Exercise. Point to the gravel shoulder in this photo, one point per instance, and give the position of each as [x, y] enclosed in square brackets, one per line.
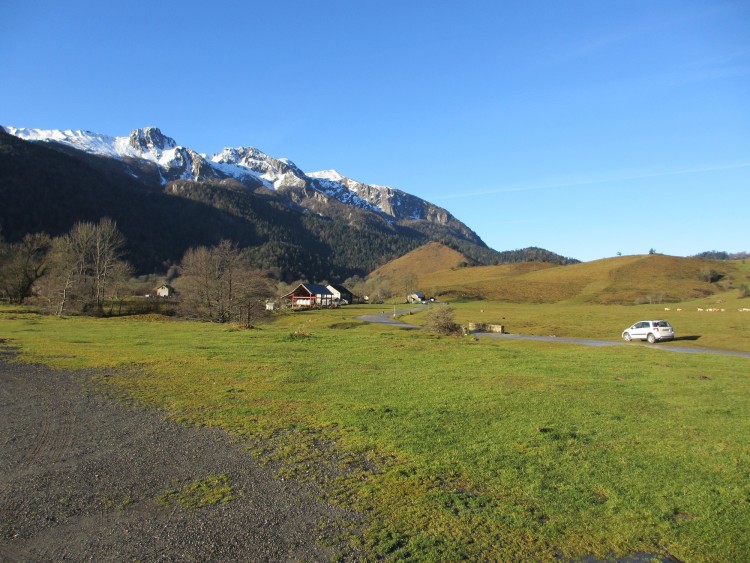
[82, 476]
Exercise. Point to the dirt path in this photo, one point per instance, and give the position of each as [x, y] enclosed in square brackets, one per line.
[81, 476]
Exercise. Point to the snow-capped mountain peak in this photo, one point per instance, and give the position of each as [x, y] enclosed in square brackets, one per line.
[275, 173]
[247, 165]
[332, 175]
[150, 139]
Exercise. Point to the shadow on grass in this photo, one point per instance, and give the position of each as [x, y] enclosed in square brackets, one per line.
[690, 337]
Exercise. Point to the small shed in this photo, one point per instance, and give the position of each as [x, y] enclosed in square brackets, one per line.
[341, 295]
[309, 296]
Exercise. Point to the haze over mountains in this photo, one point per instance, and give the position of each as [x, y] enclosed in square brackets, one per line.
[167, 198]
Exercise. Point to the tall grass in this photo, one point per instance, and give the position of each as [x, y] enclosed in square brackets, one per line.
[454, 448]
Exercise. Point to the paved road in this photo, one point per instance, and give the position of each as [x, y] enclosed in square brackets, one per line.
[387, 319]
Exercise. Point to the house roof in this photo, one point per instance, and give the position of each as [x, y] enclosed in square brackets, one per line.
[311, 289]
[339, 288]
[316, 289]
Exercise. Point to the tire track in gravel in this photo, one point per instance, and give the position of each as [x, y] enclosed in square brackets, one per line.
[50, 445]
[54, 433]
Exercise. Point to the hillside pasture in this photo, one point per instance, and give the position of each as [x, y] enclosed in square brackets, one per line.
[431, 257]
[451, 448]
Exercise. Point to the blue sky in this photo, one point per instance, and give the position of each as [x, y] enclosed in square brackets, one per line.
[587, 128]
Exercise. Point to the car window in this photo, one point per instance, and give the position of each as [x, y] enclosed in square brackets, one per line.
[663, 324]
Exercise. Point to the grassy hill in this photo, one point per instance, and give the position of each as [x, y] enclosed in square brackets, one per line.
[427, 259]
[622, 280]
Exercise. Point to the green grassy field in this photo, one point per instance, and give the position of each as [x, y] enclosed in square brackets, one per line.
[452, 448]
[728, 329]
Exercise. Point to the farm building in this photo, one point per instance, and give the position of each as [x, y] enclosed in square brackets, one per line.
[164, 290]
[341, 295]
[416, 297]
[309, 296]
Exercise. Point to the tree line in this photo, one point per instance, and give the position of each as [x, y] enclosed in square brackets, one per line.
[84, 272]
[78, 271]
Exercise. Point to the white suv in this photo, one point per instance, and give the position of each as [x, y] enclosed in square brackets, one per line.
[652, 331]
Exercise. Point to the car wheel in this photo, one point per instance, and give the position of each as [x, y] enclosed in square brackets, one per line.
[651, 338]
[626, 336]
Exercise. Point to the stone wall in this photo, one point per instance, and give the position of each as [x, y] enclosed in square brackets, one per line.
[486, 327]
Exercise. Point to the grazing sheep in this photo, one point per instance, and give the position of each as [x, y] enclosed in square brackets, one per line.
[700, 310]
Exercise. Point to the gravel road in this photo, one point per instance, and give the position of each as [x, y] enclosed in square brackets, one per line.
[81, 476]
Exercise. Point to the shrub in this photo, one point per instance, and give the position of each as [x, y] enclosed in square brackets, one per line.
[300, 332]
[443, 320]
[710, 275]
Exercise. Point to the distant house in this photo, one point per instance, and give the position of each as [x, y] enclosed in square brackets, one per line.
[309, 296]
[341, 295]
[164, 290]
[416, 297]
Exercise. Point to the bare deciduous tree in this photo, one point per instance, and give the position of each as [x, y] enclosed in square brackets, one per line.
[218, 284]
[108, 243]
[84, 263]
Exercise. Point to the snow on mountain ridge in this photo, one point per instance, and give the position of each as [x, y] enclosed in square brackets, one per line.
[332, 175]
[175, 162]
[83, 140]
[148, 143]
[351, 191]
[387, 200]
[244, 161]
